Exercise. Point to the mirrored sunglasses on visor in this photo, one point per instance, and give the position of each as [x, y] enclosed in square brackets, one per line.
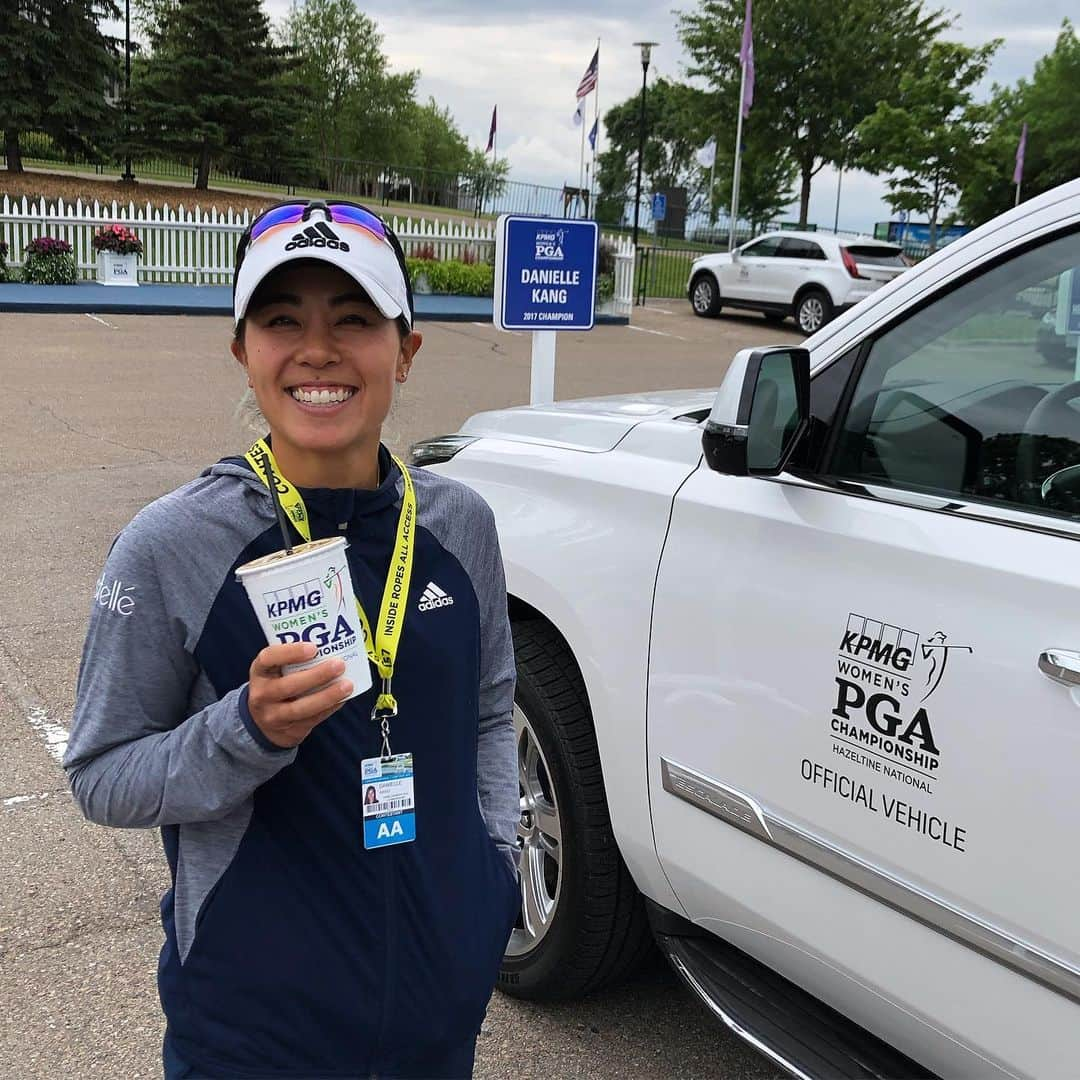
[345, 213]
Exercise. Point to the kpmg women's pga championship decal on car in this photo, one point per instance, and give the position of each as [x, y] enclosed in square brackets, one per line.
[885, 677]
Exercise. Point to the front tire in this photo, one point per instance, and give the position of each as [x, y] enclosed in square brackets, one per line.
[582, 923]
[705, 296]
[813, 310]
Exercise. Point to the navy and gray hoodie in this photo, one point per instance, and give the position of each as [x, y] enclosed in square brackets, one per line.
[290, 951]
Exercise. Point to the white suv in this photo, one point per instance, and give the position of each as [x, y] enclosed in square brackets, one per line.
[808, 275]
[799, 660]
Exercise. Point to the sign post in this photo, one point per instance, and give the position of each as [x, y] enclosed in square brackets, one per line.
[545, 281]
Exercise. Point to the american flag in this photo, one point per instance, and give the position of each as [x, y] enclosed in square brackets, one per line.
[592, 73]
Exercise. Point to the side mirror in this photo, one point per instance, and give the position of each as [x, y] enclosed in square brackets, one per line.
[735, 256]
[761, 412]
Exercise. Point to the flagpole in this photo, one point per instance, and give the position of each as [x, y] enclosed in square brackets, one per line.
[738, 163]
[596, 126]
[1017, 203]
[581, 163]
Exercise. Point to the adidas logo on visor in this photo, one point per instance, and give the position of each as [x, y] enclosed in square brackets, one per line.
[433, 598]
[319, 235]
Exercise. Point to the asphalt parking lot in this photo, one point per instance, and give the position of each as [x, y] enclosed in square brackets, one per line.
[100, 416]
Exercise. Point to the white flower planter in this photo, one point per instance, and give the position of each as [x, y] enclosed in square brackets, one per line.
[113, 269]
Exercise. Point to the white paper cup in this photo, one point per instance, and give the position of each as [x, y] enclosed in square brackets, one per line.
[308, 596]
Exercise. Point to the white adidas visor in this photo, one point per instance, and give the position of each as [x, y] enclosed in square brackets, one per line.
[368, 259]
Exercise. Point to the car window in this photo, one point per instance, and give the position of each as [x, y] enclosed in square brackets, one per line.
[765, 248]
[978, 393]
[877, 255]
[800, 249]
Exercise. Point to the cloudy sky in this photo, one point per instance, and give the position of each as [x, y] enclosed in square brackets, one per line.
[528, 58]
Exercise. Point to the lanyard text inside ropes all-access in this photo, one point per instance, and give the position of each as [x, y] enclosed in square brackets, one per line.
[382, 651]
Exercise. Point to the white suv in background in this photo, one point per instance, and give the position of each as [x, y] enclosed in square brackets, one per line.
[808, 275]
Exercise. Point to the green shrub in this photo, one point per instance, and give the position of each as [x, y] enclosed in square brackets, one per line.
[3, 262]
[454, 278]
[49, 261]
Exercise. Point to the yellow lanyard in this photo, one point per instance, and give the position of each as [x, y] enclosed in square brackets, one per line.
[382, 650]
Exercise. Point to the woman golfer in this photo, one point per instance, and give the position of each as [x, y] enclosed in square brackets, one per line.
[300, 940]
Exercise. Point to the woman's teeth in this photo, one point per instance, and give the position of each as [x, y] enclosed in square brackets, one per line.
[322, 397]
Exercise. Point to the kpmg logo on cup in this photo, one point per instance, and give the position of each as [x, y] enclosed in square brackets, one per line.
[549, 245]
[300, 599]
[303, 613]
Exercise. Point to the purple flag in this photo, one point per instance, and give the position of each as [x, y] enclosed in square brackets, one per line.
[746, 58]
[491, 131]
[1018, 172]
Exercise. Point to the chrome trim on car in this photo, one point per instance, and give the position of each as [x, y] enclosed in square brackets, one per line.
[736, 1028]
[740, 810]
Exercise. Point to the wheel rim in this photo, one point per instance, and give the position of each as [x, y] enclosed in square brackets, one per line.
[702, 296]
[811, 314]
[540, 840]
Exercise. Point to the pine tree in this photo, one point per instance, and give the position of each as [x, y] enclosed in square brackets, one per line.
[55, 66]
[213, 86]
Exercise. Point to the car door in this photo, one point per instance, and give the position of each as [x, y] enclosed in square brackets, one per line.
[863, 718]
[800, 261]
[750, 276]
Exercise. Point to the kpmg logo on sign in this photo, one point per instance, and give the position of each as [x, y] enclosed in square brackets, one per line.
[549, 245]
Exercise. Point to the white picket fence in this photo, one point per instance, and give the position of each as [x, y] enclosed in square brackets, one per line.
[197, 247]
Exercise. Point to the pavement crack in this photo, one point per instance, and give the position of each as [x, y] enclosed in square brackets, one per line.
[50, 411]
[494, 346]
[80, 935]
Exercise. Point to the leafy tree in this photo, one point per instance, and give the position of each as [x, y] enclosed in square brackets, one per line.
[354, 105]
[433, 152]
[932, 133]
[820, 68]
[486, 177]
[55, 64]
[672, 139]
[1047, 104]
[766, 185]
[213, 84]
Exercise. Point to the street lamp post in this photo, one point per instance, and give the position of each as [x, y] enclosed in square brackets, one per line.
[128, 175]
[646, 53]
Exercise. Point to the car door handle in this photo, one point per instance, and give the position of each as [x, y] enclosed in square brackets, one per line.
[1061, 665]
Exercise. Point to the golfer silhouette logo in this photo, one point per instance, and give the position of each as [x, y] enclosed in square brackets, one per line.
[937, 652]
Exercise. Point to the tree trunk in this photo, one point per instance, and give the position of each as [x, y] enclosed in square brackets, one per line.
[804, 197]
[202, 178]
[11, 151]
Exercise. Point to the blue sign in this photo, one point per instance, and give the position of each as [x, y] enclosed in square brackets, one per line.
[659, 207]
[545, 273]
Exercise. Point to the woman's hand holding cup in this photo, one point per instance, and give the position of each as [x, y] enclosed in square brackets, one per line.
[287, 707]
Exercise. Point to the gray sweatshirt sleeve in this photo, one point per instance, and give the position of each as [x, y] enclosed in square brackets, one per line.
[496, 756]
[150, 745]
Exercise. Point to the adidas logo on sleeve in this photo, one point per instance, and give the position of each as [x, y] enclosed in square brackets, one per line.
[433, 598]
[319, 235]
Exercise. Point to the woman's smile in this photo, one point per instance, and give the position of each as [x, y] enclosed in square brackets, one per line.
[321, 397]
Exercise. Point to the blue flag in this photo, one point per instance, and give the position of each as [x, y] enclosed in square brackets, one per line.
[592, 134]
